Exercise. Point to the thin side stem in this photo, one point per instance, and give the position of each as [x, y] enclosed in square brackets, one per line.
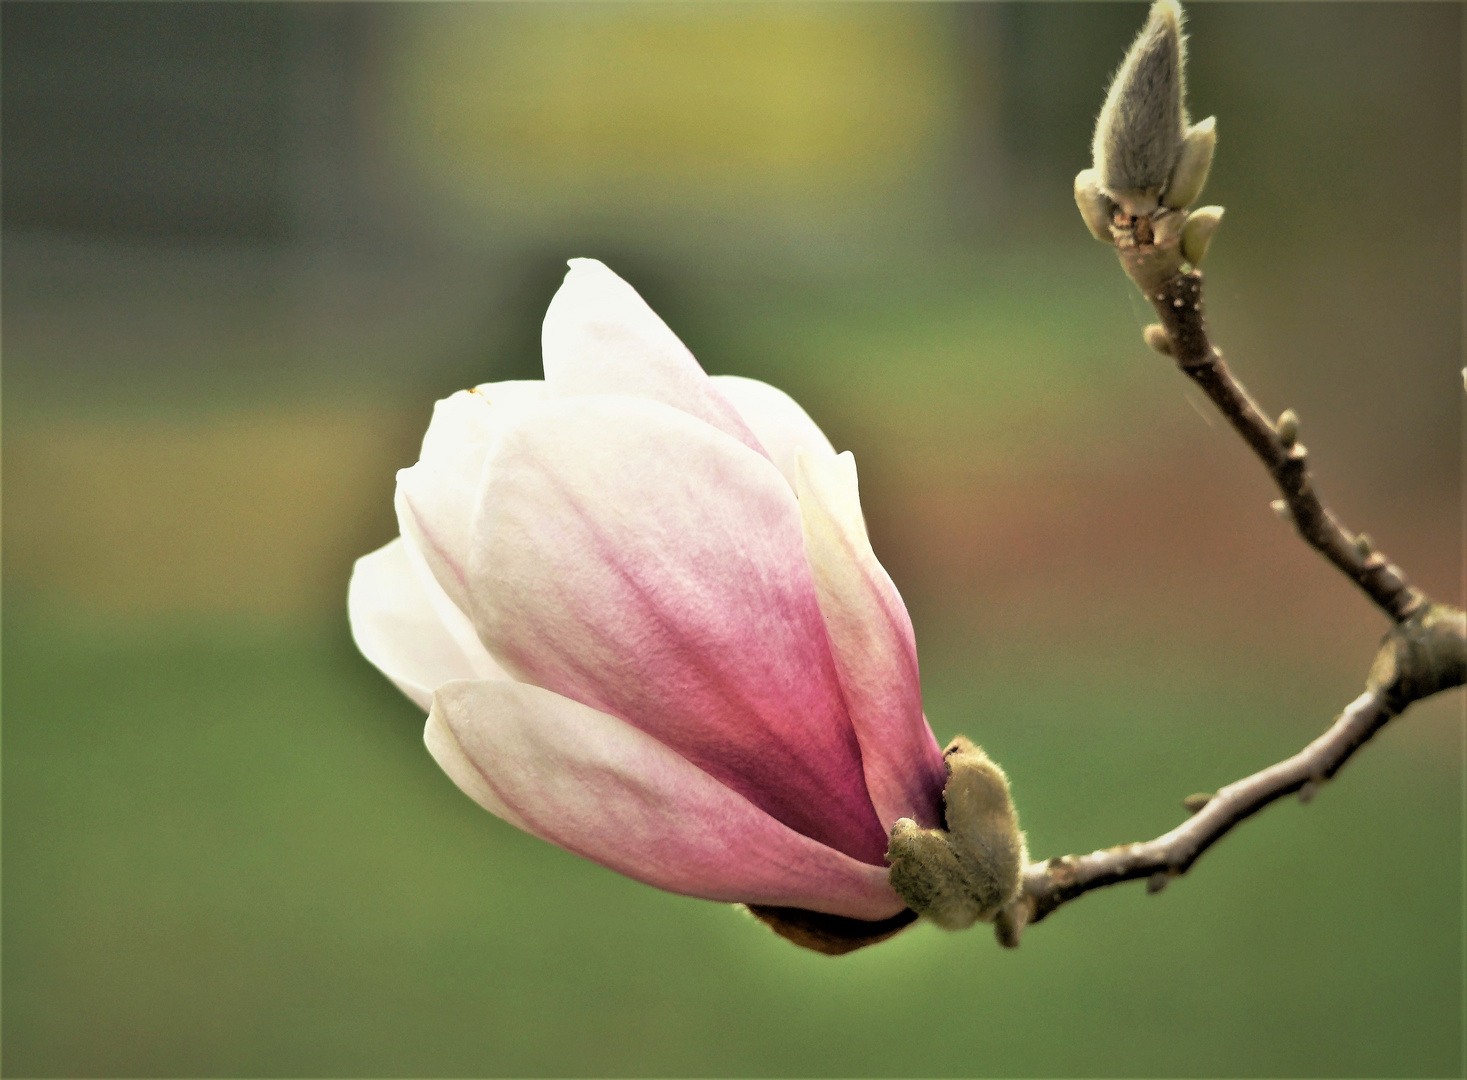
[1053, 882]
[1178, 304]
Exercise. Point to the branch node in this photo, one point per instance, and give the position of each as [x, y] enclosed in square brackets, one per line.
[1157, 881]
[1365, 548]
[1281, 508]
[1421, 655]
[1308, 790]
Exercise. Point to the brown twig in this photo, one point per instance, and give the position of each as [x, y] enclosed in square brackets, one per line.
[1049, 884]
[1147, 171]
[1424, 655]
[1425, 651]
[1178, 304]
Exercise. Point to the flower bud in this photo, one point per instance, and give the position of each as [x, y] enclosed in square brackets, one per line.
[1194, 804]
[1142, 126]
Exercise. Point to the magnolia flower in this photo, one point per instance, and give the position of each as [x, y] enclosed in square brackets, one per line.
[641, 608]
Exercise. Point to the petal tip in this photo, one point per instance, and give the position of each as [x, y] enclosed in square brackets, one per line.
[585, 265]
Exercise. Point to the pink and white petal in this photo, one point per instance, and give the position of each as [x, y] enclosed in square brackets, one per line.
[873, 644]
[446, 749]
[600, 337]
[598, 787]
[640, 562]
[776, 419]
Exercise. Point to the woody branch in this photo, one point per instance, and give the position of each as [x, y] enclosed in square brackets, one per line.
[1150, 164]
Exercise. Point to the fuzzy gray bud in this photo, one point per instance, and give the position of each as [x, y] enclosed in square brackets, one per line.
[1142, 126]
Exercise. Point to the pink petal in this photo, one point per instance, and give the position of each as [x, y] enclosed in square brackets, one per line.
[781, 426]
[873, 644]
[604, 790]
[636, 560]
[600, 337]
[400, 629]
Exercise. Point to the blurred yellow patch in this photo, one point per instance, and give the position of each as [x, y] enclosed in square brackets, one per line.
[260, 512]
[706, 103]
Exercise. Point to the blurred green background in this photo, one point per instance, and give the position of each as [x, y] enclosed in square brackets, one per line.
[246, 247]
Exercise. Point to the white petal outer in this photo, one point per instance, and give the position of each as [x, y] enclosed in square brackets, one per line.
[473, 416]
[781, 426]
[396, 627]
[435, 498]
[873, 644]
[600, 337]
[404, 624]
[640, 562]
[599, 787]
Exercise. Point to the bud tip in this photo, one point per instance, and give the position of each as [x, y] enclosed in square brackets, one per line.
[1142, 125]
[1155, 336]
[1288, 427]
[1194, 803]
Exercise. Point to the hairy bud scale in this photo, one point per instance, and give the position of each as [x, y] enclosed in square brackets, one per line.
[1139, 135]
